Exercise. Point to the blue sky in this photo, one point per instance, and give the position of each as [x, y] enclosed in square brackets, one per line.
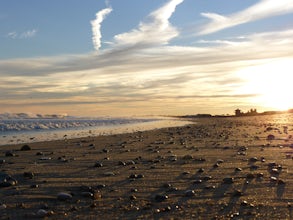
[130, 57]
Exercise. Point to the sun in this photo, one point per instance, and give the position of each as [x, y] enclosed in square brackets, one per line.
[271, 82]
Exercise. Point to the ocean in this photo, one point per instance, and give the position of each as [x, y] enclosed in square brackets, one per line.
[27, 130]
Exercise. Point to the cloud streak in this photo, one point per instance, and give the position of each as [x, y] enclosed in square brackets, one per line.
[263, 9]
[157, 30]
[96, 27]
[23, 35]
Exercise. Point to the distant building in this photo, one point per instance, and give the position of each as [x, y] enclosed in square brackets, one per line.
[251, 112]
[238, 112]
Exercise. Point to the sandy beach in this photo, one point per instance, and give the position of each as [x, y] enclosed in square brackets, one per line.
[217, 168]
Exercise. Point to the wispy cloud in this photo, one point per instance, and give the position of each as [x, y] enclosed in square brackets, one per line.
[96, 26]
[157, 30]
[23, 35]
[263, 9]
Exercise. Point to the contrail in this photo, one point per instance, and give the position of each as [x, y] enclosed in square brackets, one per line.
[96, 27]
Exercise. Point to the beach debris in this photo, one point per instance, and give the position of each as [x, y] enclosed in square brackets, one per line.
[25, 148]
[238, 169]
[63, 196]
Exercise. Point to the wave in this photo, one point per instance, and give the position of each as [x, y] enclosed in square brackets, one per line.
[33, 124]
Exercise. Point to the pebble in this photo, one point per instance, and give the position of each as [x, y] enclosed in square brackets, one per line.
[189, 193]
[28, 174]
[87, 194]
[3, 206]
[109, 174]
[200, 170]
[161, 198]
[64, 196]
[98, 164]
[2, 161]
[271, 137]
[25, 148]
[228, 180]
[187, 157]
[9, 154]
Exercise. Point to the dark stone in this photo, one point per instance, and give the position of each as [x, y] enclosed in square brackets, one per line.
[9, 154]
[228, 180]
[161, 198]
[98, 164]
[25, 148]
[28, 174]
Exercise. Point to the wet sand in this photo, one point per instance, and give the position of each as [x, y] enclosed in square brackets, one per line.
[218, 168]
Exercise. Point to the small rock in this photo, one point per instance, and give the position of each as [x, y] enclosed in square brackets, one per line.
[87, 194]
[109, 174]
[228, 180]
[9, 154]
[3, 206]
[253, 159]
[29, 175]
[64, 196]
[161, 198]
[238, 169]
[98, 164]
[189, 193]
[237, 193]
[187, 157]
[271, 137]
[200, 170]
[132, 197]
[25, 148]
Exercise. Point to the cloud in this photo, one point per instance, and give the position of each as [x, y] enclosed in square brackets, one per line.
[142, 71]
[263, 9]
[157, 30]
[96, 26]
[23, 35]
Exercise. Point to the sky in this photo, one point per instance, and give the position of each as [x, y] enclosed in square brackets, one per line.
[145, 57]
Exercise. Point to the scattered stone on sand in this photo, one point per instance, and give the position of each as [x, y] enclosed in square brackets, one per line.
[63, 196]
[6, 180]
